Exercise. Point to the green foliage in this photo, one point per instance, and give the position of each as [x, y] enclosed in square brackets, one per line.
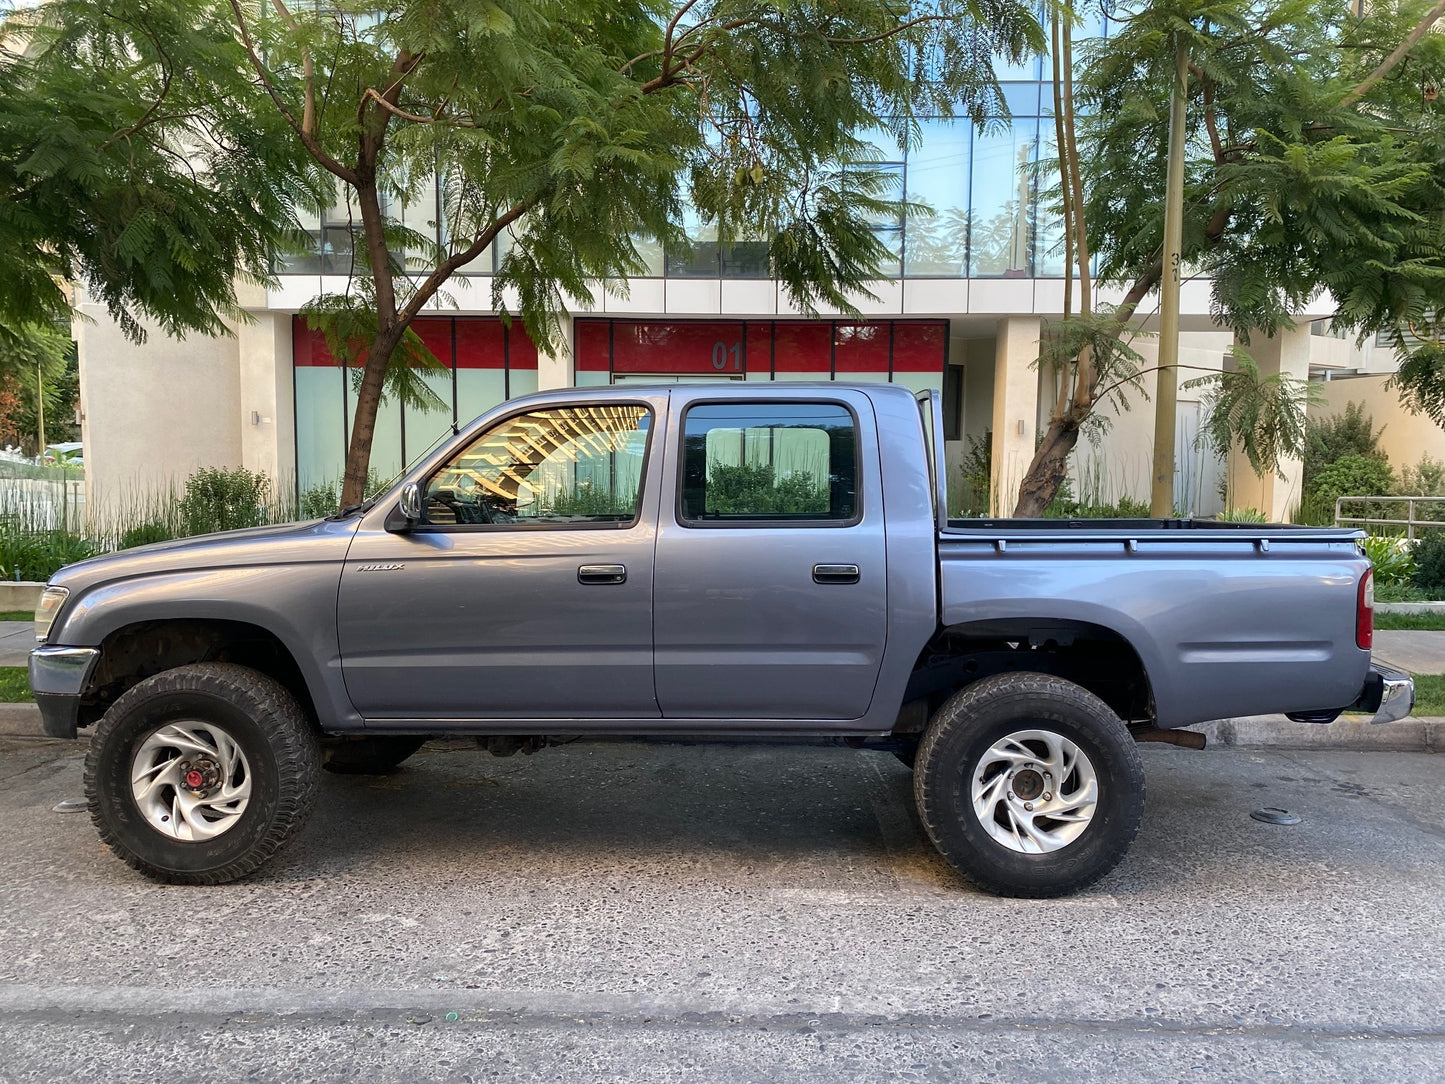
[144, 535]
[1430, 566]
[35, 554]
[1353, 475]
[15, 685]
[1242, 515]
[1264, 416]
[754, 489]
[223, 500]
[1425, 479]
[138, 157]
[589, 500]
[564, 137]
[1327, 439]
[1293, 183]
[323, 499]
[1065, 506]
[976, 476]
[1393, 558]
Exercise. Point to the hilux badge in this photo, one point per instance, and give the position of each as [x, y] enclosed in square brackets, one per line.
[392, 567]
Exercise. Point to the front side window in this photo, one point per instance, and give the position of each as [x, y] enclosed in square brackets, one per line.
[774, 462]
[568, 466]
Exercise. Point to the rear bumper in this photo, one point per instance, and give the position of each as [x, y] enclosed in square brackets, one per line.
[1388, 692]
[58, 677]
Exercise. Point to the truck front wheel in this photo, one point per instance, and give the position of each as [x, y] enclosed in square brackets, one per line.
[199, 774]
[1029, 785]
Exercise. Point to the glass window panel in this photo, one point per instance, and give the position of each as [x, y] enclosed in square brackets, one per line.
[684, 347]
[860, 348]
[573, 465]
[805, 348]
[938, 171]
[320, 427]
[420, 217]
[773, 462]
[1049, 220]
[1001, 216]
[309, 261]
[478, 390]
[703, 260]
[1022, 99]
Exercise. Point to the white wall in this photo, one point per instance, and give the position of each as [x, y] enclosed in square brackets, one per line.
[154, 412]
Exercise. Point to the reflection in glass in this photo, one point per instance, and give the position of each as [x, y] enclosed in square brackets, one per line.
[938, 172]
[1001, 218]
[566, 466]
[769, 461]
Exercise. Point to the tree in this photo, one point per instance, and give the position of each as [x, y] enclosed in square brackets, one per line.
[132, 160]
[1315, 148]
[567, 131]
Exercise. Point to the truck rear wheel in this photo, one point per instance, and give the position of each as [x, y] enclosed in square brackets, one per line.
[200, 774]
[1029, 785]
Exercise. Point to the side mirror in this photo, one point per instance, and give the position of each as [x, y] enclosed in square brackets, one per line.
[411, 504]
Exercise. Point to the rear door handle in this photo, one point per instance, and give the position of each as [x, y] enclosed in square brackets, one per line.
[835, 573]
[602, 574]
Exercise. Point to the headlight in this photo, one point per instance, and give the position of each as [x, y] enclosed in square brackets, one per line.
[50, 604]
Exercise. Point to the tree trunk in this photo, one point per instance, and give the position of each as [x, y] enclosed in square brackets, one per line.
[1046, 472]
[363, 427]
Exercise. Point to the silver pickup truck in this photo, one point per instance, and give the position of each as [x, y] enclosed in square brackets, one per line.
[751, 561]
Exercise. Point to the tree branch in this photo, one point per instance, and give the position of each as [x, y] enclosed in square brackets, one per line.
[1430, 19]
[308, 70]
[308, 139]
[427, 290]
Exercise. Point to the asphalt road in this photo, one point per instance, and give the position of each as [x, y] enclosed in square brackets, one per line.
[667, 913]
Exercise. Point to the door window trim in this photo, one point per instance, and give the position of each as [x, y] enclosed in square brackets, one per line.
[762, 522]
[601, 525]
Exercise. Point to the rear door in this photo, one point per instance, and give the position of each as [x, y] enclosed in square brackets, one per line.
[770, 591]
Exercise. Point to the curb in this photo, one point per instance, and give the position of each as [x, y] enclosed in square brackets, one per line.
[20, 721]
[1409, 735]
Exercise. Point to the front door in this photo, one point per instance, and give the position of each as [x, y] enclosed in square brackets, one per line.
[771, 596]
[526, 592]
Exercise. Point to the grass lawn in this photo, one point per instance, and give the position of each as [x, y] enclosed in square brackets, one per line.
[17, 615]
[1418, 622]
[14, 685]
[1429, 694]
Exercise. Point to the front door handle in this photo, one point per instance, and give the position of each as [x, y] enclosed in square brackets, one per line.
[835, 573]
[602, 574]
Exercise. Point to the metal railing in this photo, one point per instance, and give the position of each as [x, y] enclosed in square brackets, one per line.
[1410, 522]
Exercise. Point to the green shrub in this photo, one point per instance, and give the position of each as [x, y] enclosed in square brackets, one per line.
[222, 500]
[1430, 565]
[37, 554]
[1242, 515]
[743, 488]
[1393, 558]
[1354, 475]
[144, 535]
[1330, 439]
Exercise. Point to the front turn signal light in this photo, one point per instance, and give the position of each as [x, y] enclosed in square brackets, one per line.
[45, 612]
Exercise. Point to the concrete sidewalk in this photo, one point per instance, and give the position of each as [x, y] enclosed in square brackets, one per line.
[1413, 652]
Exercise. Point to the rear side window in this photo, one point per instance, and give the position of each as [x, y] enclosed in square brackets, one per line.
[779, 463]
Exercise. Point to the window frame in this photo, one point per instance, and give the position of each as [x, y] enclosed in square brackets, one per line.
[755, 523]
[599, 525]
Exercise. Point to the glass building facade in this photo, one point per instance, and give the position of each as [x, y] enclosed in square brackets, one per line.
[992, 219]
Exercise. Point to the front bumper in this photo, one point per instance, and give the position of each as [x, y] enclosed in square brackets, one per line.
[58, 677]
[1388, 692]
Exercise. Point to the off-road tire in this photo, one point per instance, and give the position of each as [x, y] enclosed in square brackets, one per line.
[277, 740]
[372, 755]
[962, 732]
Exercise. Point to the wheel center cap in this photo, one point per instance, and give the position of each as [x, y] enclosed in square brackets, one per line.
[1028, 785]
[194, 779]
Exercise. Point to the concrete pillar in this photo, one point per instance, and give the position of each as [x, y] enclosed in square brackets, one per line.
[555, 370]
[268, 398]
[1015, 406]
[1287, 353]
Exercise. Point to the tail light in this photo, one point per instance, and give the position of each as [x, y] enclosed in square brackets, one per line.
[1365, 612]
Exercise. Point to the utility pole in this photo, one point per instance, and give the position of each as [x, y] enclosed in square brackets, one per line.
[40, 410]
[1161, 496]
